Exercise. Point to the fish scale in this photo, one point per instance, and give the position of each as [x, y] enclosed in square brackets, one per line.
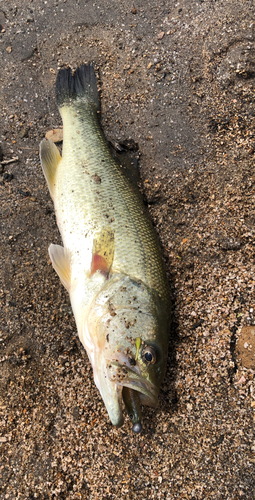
[110, 262]
[98, 203]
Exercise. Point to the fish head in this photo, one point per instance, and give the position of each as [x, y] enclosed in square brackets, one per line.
[129, 327]
[140, 367]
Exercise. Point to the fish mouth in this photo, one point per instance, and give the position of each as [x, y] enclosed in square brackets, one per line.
[126, 376]
[110, 380]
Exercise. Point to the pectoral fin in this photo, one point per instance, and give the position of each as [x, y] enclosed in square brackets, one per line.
[50, 158]
[103, 252]
[60, 258]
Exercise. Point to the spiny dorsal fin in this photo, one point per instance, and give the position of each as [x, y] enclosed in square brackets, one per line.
[50, 158]
[60, 258]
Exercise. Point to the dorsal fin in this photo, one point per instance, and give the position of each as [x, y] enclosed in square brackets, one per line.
[50, 158]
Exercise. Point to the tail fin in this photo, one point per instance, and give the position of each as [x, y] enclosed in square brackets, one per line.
[81, 85]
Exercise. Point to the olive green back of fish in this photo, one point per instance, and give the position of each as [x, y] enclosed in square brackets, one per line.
[106, 197]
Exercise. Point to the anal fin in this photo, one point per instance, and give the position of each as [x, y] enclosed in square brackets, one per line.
[60, 258]
[50, 158]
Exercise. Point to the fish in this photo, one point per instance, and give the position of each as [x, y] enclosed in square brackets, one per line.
[110, 261]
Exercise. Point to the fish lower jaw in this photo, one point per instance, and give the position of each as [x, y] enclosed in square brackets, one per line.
[111, 392]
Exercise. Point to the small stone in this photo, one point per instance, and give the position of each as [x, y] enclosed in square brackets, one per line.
[56, 135]
[133, 10]
[7, 177]
[242, 380]
[245, 347]
[161, 35]
[24, 132]
[9, 49]
[24, 193]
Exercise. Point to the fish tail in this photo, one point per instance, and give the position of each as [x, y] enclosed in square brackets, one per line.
[81, 85]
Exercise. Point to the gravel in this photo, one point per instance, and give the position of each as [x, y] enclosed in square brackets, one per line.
[178, 80]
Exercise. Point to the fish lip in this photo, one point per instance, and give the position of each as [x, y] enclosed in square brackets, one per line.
[125, 376]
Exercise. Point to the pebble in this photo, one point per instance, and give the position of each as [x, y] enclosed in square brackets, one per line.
[161, 35]
[7, 176]
[56, 135]
[24, 132]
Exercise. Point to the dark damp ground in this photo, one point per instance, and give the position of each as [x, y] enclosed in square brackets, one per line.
[178, 79]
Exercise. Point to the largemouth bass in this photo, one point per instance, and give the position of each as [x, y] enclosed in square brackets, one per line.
[110, 261]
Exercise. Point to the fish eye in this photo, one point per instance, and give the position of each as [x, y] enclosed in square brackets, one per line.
[149, 355]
